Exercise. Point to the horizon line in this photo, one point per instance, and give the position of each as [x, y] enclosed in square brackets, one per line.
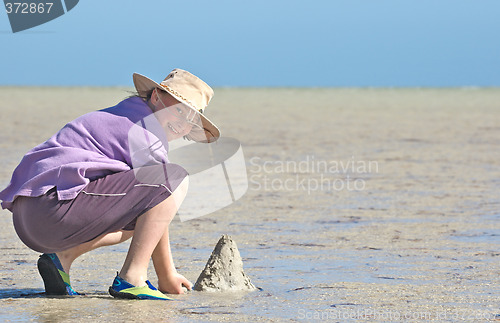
[471, 87]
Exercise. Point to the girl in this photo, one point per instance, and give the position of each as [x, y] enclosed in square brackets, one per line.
[105, 177]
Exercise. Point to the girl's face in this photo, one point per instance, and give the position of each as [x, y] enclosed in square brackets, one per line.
[176, 118]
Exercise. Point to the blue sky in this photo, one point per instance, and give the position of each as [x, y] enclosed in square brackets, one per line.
[339, 43]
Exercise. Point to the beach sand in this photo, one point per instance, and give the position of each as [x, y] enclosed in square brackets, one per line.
[410, 232]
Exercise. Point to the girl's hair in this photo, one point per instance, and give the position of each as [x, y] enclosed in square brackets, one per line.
[145, 97]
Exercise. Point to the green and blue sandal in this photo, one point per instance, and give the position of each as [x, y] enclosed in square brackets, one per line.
[55, 279]
[123, 289]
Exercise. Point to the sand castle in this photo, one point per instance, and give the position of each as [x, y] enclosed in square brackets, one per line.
[224, 269]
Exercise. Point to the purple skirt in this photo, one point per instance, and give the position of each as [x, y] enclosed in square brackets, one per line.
[108, 204]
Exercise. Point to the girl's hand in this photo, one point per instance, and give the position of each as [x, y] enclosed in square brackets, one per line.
[172, 284]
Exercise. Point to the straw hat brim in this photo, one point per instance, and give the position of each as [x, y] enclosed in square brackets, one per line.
[210, 132]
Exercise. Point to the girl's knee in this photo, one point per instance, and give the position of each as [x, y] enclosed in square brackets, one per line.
[181, 191]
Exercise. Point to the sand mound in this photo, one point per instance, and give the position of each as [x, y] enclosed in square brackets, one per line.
[224, 269]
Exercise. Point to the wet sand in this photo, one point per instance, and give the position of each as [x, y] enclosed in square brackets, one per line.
[417, 238]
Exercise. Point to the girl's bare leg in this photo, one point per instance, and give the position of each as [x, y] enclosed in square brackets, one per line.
[68, 256]
[151, 240]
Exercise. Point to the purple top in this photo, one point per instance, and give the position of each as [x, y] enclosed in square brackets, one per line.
[94, 145]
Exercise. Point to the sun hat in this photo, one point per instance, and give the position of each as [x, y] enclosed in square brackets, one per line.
[191, 91]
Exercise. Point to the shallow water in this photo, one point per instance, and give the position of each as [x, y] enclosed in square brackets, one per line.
[419, 239]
